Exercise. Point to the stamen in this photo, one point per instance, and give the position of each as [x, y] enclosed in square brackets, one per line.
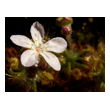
[45, 47]
[36, 40]
[31, 47]
[44, 41]
[37, 62]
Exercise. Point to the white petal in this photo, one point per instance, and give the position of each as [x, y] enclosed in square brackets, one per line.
[40, 28]
[52, 60]
[29, 58]
[57, 45]
[21, 40]
[35, 34]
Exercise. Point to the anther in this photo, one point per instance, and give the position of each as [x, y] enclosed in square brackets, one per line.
[45, 47]
[44, 41]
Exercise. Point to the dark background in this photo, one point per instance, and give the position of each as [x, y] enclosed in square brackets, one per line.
[21, 25]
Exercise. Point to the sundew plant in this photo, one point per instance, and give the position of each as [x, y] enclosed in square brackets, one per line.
[55, 55]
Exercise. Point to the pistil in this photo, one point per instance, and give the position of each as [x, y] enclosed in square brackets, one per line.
[38, 50]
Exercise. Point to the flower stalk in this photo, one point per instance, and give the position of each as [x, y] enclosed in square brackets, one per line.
[69, 42]
[34, 86]
[66, 30]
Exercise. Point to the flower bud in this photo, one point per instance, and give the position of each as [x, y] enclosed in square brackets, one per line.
[63, 21]
[66, 30]
[68, 19]
[59, 21]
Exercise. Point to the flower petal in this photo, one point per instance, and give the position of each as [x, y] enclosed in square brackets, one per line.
[57, 45]
[35, 34]
[52, 60]
[40, 28]
[21, 40]
[29, 58]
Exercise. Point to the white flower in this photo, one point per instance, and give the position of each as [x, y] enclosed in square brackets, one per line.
[30, 57]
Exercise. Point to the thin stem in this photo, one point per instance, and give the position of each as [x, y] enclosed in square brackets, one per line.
[69, 42]
[34, 86]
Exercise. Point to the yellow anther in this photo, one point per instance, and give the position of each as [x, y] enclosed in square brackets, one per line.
[45, 47]
[36, 40]
[37, 62]
[61, 56]
[43, 40]
[31, 47]
[38, 51]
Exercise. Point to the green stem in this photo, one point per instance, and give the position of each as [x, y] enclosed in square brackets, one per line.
[34, 86]
[69, 42]
[69, 68]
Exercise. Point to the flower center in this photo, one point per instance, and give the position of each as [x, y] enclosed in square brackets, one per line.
[38, 49]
